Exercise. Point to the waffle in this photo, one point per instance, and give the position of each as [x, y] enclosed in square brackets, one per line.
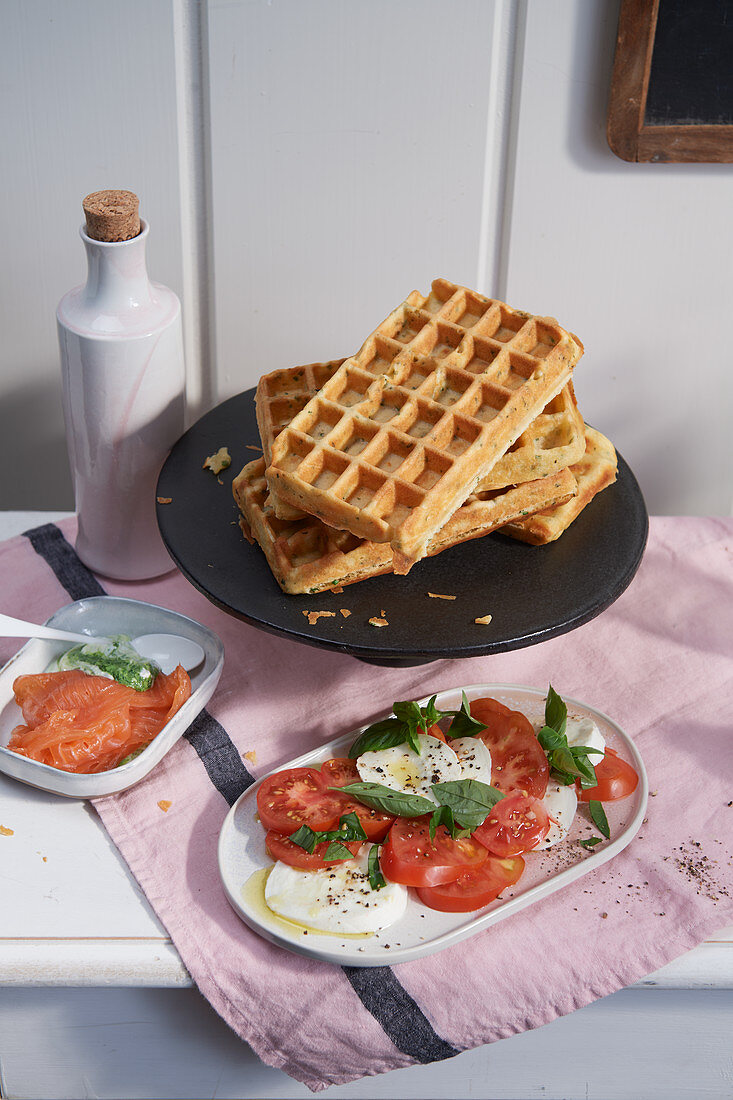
[280, 395]
[308, 556]
[401, 434]
[595, 470]
[552, 441]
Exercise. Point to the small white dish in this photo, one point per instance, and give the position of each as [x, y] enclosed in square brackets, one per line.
[104, 615]
[422, 931]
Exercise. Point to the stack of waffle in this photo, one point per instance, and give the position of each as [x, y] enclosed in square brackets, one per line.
[456, 417]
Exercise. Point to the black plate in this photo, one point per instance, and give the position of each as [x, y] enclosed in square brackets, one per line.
[532, 592]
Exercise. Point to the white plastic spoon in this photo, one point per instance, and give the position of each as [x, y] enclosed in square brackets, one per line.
[167, 650]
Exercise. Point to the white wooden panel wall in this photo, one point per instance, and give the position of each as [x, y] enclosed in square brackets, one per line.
[88, 102]
[333, 155]
[636, 259]
[348, 166]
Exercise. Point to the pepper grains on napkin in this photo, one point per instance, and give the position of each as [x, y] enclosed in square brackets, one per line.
[659, 666]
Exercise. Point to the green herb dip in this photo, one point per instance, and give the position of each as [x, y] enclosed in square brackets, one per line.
[116, 660]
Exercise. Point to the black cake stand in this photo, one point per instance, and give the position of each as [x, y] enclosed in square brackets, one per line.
[531, 592]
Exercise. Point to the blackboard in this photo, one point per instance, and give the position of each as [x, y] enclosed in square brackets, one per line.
[672, 85]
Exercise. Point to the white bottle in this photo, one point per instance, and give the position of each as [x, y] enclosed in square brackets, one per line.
[123, 374]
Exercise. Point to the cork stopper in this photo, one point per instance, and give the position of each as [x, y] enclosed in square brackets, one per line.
[112, 215]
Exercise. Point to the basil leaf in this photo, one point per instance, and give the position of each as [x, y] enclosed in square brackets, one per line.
[550, 739]
[443, 815]
[376, 878]
[590, 842]
[379, 797]
[584, 766]
[381, 735]
[431, 714]
[464, 724]
[350, 828]
[337, 850]
[598, 816]
[556, 713]
[305, 838]
[470, 800]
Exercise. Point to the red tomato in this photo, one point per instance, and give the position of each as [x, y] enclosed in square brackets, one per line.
[412, 858]
[475, 888]
[339, 772]
[281, 847]
[295, 797]
[375, 824]
[518, 761]
[436, 731]
[615, 777]
[516, 824]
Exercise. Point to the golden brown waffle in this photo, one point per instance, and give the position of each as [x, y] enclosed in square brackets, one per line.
[280, 395]
[595, 470]
[395, 441]
[553, 440]
[307, 556]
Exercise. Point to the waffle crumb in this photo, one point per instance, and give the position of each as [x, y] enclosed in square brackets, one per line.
[251, 756]
[440, 596]
[164, 500]
[375, 621]
[483, 620]
[219, 461]
[165, 805]
[252, 447]
[345, 612]
[5, 831]
[314, 616]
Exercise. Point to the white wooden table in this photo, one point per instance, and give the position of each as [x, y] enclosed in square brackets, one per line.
[94, 999]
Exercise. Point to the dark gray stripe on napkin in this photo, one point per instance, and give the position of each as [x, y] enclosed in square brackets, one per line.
[397, 1013]
[220, 756]
[60, 555]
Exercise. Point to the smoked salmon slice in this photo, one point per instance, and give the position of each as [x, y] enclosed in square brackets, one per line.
[82, 723]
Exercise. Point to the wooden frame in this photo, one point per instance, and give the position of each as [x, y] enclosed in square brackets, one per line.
[629, 137]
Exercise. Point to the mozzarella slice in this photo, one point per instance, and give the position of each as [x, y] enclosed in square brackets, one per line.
[583, 732]
[561, 804]
[474, 757]
[336, 899]
[401, 769]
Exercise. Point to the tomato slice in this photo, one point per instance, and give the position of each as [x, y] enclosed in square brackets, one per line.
[436, 731]
[516, 824]
[282, 847]
[615, 779]
[518, 761]
[412, 858]
[474, 888]
[295, 797]
[339, 772]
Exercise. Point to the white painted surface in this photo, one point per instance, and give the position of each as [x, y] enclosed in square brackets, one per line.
[163, 1043]
[303, 165]
[89, 103]
[348, 160]
[636, 259]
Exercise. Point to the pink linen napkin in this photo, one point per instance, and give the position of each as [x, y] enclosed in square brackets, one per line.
[658, 661]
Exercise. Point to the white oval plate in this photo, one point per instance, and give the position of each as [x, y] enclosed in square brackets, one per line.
[422, 931]
[105, 615]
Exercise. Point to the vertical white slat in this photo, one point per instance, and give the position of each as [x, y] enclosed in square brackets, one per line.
[501, 133]
[190, 31]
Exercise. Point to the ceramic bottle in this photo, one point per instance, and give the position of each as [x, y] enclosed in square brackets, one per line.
[121, 344]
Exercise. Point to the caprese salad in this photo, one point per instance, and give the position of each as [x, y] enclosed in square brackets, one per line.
[447, 803]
